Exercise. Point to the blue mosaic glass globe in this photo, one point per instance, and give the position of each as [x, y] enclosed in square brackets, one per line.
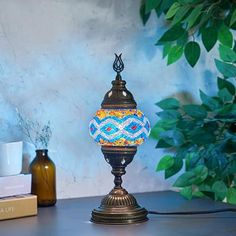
[119, 127]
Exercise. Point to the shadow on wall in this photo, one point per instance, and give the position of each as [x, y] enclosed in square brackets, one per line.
[10, 129]
[26, 163]
[185, 97]
[209, 82]
[144, 43]
[117, 20]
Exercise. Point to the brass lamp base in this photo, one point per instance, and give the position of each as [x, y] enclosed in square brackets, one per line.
[119, 207]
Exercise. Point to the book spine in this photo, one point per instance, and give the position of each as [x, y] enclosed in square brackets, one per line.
[20, 206]
[15, 185]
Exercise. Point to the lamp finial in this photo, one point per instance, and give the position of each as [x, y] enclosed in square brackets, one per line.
[118, 65]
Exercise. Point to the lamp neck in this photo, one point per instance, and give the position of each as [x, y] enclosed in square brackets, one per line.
[118, 172]
[118, 158]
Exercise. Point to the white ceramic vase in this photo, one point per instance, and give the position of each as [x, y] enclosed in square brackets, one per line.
[11, 158]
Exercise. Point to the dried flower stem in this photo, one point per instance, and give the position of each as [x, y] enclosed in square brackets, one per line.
[38, 135]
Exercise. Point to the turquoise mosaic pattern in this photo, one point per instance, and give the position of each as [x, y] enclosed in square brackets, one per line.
[119, 127]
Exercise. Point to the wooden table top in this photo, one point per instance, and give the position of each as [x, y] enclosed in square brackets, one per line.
[72, 217]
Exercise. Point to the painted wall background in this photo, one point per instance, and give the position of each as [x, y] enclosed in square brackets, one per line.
[56, 64]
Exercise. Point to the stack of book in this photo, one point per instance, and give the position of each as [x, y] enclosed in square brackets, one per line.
[15, 198]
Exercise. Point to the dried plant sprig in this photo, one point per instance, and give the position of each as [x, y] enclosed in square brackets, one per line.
[44, 136]
[37, 134]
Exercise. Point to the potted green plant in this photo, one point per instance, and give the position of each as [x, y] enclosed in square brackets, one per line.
[201, 137]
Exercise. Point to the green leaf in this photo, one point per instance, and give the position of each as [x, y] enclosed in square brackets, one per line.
[202, 136]
[204, 20]
[151, 4]
[223, 83]
[220, 190]
[144, 16]
[175, 54]
[169, 114]
[162, 144]
[186, 179]
[227, 54]
[226, 69]
[166, 124]
[191, 159]
[225, 36]
[232, 169]
[186, 124]
[180, 14]
[206, 190]
[233, 111]
[165, 163]
[172, 137]
[196, 176]
[186, 1]
[198, 194]
[177, 166]
[168, 103]
[192, 53]
[215, 161]
[233, 18]
[172, 34]
[183, 39]
[155, 132]
[192, 18]
[165, 5]
[195, 111]
[186, 192]
[231, 196]
[226, 110]
[225, 95]
[166, 49]
[209, 37]
[201, 173]
[173, 9]
[210, 102]
[204, 187]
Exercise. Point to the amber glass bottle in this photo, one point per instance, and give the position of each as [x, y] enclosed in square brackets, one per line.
[43, 172]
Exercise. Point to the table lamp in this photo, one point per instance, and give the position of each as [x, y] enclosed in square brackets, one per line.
[119, 128]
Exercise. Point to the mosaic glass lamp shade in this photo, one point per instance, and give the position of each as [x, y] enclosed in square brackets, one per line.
[119, 127]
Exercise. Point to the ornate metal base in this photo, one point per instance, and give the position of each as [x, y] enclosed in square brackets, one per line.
[119, 207]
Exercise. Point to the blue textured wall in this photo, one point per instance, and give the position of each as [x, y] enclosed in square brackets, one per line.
[56, 64]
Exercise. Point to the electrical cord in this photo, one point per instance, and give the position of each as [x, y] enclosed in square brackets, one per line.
[193, 212]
